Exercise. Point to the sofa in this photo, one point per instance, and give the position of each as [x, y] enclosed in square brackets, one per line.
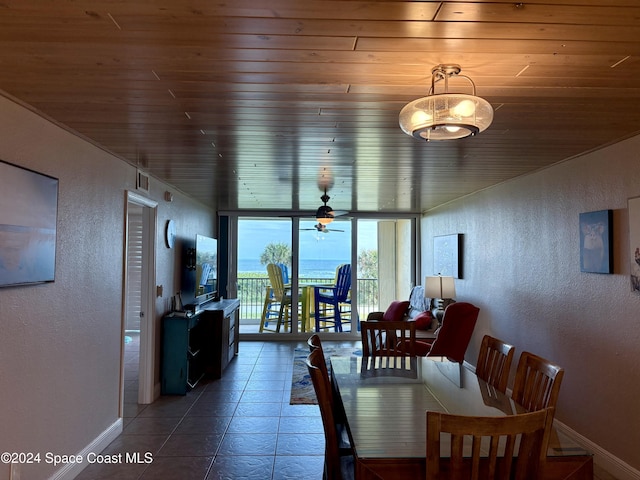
[418, 308]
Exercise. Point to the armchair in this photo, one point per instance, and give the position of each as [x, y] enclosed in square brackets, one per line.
[452, 338]
[418, 309]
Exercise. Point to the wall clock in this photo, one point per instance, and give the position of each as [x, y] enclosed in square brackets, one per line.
[170, 234]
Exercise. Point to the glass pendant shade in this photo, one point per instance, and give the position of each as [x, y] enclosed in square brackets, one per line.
[446, 116]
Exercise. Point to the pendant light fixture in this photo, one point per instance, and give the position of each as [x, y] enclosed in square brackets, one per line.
[446, 116]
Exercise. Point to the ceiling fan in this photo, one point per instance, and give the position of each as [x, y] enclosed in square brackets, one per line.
[319, 227]
[325, 214]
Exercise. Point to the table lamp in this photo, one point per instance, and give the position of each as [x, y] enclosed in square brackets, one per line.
[443, 290]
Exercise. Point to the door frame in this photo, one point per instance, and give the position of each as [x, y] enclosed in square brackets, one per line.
[146, 387]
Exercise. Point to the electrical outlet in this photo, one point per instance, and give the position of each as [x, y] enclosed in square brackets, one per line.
[15, 471]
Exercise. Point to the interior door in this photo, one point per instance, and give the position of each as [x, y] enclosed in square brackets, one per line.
[138, 326]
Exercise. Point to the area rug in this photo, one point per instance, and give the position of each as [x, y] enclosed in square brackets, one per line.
[302, 392]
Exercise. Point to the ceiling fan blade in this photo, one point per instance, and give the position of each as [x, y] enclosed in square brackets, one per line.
[339, 213]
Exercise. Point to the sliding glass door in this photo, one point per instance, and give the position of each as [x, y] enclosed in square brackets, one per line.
[322, 250]
[261, 241]
[380, 252]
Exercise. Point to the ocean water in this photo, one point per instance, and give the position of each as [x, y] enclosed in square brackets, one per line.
[308, 267]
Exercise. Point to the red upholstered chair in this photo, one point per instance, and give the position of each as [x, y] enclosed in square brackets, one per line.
[454, 335]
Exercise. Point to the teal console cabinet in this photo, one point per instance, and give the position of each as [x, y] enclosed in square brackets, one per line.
[200, 345]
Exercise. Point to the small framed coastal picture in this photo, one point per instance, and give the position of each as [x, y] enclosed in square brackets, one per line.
[596, 255]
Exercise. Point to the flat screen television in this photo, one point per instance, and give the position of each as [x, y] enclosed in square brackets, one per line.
[200, 273]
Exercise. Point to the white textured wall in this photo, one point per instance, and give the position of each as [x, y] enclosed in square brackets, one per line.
[522, 268]
[60, 343]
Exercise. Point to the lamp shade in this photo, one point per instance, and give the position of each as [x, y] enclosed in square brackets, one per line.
[446, 116]
[439, 287]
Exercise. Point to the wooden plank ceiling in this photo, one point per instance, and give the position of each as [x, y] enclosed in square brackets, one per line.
[245, 104]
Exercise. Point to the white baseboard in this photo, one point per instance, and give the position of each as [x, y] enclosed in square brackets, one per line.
[71, 470]
[602, 458]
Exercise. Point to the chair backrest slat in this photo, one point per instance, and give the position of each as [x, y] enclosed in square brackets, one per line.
[494, 362]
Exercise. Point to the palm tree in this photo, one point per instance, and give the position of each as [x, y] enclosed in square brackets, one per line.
[368, 271]
[276, 252]
[368, 264]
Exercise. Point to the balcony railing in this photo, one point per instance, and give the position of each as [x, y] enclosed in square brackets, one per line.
[251, 292]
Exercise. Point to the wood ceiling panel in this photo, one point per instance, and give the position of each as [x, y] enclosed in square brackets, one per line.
[206, 28]
[533, 45]
[531, 13]
[377, 10]
[220, 99]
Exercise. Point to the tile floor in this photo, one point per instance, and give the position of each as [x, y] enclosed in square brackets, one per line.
[240, 427]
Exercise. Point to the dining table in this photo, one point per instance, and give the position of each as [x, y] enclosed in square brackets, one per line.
[307, 295]
[384, 400]
[306, 313]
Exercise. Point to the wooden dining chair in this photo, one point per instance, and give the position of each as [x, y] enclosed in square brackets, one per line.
[537, 382]
[494, 362]
[382, 338]
[338, 462]
[484, 448]
[315, 343]
[344, 443]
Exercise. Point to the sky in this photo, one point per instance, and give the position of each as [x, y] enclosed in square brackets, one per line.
[254, 235]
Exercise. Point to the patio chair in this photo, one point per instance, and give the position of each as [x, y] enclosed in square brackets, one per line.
[278, 302]
[333, 303]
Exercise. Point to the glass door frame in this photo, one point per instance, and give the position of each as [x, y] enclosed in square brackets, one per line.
[232, 266]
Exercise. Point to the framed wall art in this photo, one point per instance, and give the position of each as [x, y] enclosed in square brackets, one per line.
[28, 217]
[447, 255]
[596, 254]
[634, 243]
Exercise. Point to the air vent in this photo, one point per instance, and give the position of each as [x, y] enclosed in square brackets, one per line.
[142, 182]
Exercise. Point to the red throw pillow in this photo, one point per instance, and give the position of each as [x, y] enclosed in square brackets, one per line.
[423, 320]
[396, 311]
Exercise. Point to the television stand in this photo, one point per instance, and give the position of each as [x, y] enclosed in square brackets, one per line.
[200, 345]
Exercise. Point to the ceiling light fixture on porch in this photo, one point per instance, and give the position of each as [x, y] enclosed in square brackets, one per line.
[446, 116]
